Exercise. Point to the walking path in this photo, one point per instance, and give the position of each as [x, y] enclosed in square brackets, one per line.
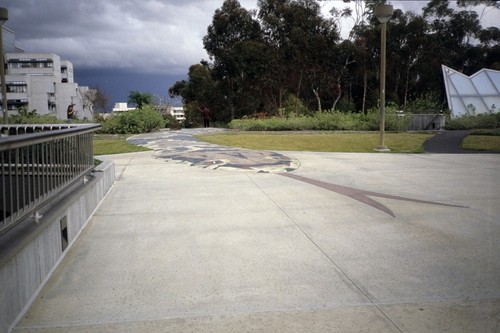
[449, 142]
[333, 242]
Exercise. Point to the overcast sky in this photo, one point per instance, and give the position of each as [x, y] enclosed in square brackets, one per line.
[124, 45]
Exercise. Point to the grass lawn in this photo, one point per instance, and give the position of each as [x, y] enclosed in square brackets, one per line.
[320, 141]
[107, 144]
[481, 142]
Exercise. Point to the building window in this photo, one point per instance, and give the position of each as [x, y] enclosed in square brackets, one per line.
[17, 87]
[14, 104]
[30, 63]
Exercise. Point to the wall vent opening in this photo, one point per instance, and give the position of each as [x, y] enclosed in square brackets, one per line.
[64, 232]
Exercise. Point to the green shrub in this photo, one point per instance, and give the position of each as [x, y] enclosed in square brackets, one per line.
[171, 122]
[480, 121]
[325, 121]
[395, 121]
[346, 105]
[487, 132]
[31, 117]
[328, 121]
[151, 119]
[142, 120]
[294, 107]
[427, 103]
[344, 121]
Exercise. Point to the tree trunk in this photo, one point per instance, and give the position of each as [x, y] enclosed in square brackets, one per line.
[231, 110]
[365, 88]
[406, 88]
[338, 91]
[316, 93]
[300, 84]
[396, 85]
[336, 101]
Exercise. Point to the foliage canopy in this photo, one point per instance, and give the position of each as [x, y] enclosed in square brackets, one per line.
[259, 59]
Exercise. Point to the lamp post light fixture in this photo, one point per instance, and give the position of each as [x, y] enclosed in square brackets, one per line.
[4, 16]
[383, 14]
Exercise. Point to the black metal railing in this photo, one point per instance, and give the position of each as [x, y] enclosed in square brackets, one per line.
[37, 162]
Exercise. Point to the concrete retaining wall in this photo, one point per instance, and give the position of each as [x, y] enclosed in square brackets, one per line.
[30, 252]
[427, 122]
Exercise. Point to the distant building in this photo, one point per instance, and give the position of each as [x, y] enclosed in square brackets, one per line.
[121, 107]
[178, 113]
[41, 82]
[9, 42]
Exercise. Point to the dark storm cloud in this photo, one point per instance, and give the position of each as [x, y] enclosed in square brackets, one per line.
[147, 36]
[124, 45]
[140, 35]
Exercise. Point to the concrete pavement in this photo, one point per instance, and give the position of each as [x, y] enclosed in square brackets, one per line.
[349, 243]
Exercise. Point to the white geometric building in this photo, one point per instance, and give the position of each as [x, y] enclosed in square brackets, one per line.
[176, 111]
[472, 95]
[41, 82]
[121, 107]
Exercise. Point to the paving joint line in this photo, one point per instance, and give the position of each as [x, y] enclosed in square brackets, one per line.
[343, 274]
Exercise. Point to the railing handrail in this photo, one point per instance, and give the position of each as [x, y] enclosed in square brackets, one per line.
[37, 163]
[48, 132]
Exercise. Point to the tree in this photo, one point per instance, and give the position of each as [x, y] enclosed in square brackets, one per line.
[179, 89]
[87, 97]
[365, 67]
[489, 3]
[417, 46]
[302, 43]
[140, 99]
[233, 42]
[196, 91]
[288, 48]
[95, 100]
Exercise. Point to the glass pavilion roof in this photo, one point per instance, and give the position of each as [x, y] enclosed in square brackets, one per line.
[471, 95]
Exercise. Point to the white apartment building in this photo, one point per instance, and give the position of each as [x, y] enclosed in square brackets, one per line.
[41, 82]
[121, 107]
[178, 113]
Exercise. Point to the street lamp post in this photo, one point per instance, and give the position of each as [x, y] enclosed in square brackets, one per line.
[4, 16]
[383, 14]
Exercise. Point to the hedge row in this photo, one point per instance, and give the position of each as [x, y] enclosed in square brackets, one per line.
[480, 121]
[325, 121]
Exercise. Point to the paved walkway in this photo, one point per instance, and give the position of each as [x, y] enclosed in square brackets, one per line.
[332, 243]
[183, 147]
[449, 142]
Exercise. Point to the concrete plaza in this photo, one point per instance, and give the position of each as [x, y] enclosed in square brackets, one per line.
[333, 242]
